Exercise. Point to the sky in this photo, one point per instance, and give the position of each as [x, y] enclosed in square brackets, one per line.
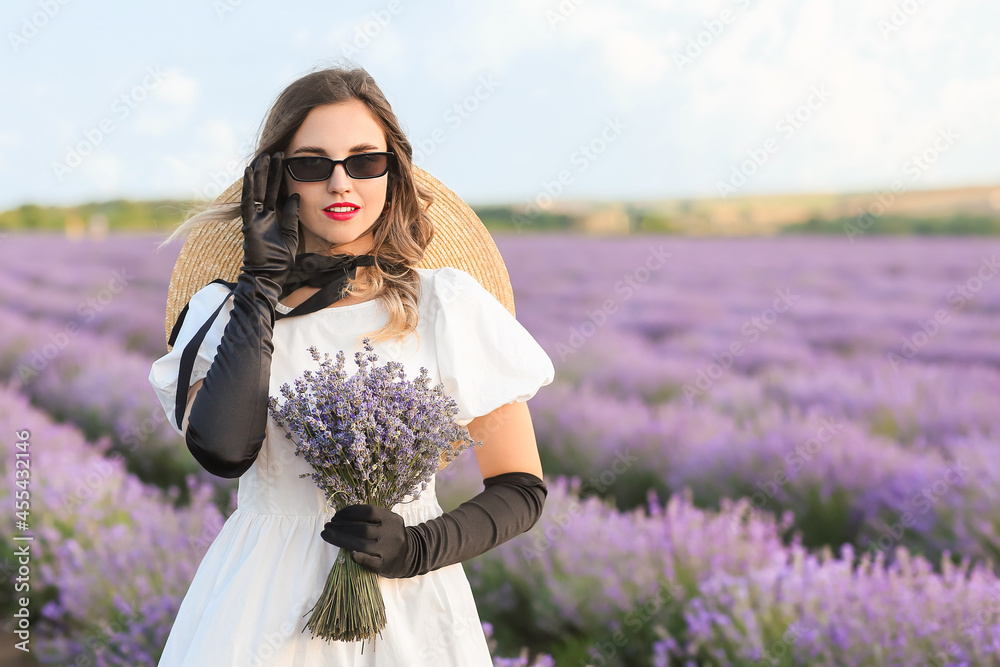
[515, 102]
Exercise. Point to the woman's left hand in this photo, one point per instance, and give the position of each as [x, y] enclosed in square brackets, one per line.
[375, 537]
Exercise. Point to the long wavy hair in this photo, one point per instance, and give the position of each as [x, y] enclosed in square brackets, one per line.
[403, 230]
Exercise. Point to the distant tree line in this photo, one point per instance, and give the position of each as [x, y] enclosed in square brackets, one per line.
[121, 215]
[164, 215]
[962, 225]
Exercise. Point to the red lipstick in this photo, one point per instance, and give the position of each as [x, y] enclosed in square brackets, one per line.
[341, 215]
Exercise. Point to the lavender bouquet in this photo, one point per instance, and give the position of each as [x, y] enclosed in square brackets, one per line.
[371, 438]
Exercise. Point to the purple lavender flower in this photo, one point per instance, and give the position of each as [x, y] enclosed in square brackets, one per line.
[371, 438]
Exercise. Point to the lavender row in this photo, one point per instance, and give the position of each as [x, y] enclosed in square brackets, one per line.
[91, 381]
[673, 584]
[843, 482]
[846, 308]
[114, 288]
[652, 380]
[816, 321]
[111, 557]
[658, 584]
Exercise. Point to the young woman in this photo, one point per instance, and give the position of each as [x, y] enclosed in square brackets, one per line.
[332, 232]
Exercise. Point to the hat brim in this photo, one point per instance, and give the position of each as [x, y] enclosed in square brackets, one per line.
[215, 250]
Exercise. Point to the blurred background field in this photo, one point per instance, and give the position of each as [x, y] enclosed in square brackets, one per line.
[826, 436]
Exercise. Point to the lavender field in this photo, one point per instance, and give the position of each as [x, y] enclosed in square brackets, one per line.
[761, 451]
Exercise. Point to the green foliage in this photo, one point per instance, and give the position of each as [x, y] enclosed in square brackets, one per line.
[962, 224]
[121, 214]
[656, 222]
[165, 215]
[506, 218]
[823, 521]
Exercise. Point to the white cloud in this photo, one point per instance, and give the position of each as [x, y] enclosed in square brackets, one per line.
[301, 37]
[218, 160]
[180, 90]
[10, 145]
[105, 172]
[631, 53]
[171, 102]
[217, 136]
[971, 102]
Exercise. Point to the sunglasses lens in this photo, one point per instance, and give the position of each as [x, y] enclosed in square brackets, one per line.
[364, 165]
[367, 165]
[309, 168]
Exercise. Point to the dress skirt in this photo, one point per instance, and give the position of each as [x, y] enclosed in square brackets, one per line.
[249, 602]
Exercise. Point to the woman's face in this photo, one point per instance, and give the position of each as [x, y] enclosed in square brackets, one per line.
[336, 131]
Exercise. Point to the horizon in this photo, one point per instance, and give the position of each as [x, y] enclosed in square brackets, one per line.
[574, 201]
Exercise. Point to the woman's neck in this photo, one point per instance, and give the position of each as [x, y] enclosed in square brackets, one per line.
[304, 292]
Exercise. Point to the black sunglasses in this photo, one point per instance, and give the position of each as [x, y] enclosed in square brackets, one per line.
[311, 168]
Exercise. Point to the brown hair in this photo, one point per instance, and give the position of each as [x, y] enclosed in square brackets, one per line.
[402, 231]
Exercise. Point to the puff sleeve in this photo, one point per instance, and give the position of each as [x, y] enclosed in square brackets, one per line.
[164, 373]
[486, 358]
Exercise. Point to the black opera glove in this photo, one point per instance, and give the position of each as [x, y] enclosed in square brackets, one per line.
[227, 424]
[375, 536]
[270, 240]
[510, 504]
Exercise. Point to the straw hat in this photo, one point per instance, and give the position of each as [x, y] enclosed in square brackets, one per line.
[214, 250]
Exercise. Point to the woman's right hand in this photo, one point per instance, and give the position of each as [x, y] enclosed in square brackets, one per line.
[269, 242]
[228, 415]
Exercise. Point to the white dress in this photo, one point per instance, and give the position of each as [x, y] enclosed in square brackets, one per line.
[247, 604]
